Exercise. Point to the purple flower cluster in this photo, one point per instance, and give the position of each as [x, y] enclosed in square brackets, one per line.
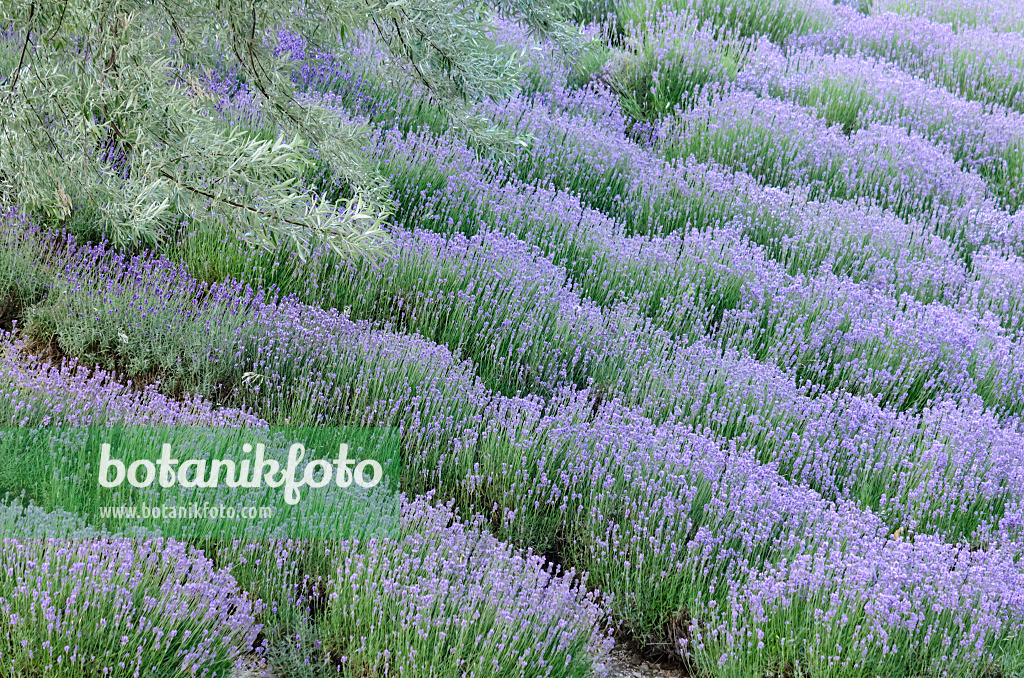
[36, 393]
[449, 597]
[119, 607]
[781, 20]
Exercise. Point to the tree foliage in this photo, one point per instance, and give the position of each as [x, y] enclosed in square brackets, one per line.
[102, 106]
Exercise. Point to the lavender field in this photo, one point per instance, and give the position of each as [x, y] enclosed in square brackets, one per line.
[722, 361]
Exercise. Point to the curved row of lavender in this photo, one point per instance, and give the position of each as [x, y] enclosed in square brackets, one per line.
[736, 340]
[77, 601]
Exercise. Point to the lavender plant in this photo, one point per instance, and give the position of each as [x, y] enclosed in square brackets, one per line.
[675, 64]
[118, 607]
[779, 20]
[449, 599]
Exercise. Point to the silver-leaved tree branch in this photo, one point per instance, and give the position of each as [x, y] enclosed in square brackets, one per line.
[100, 107]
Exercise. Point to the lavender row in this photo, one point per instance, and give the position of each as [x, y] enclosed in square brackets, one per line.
[977, 64]
[449, 596]
[999, 15]
[530, 522]
[779, 20]
[857, 92]
[606, 170]
[784, 145]
[115, 606]
[856, 241]
[96, 605]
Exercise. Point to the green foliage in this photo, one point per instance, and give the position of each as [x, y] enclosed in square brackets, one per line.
[589, 65]
[22, 279]
[676, 69]
[105, 108]
[187, 357]
[778, 20]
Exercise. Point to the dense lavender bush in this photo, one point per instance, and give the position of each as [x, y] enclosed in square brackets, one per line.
[677, 64]
[780, 20]
[450, 600]
[890, 615]
[118, 607]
